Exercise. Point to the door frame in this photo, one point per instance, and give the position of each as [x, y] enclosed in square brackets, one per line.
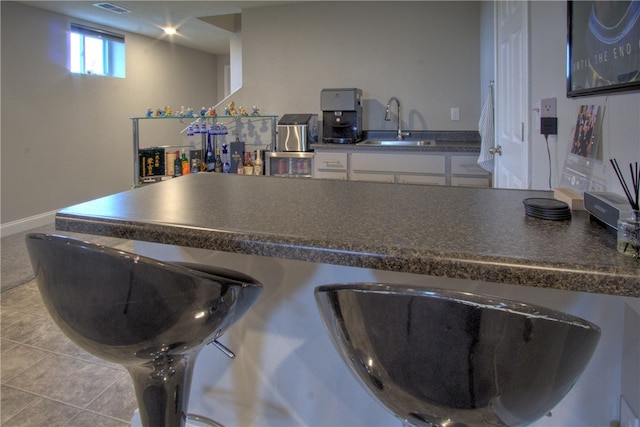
[499, 96]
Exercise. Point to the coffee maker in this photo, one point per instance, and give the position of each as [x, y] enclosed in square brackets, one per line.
[341, 115]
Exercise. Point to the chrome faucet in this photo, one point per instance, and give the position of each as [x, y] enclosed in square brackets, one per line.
[387, 117]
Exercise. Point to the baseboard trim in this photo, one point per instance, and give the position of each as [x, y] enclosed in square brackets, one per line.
[28, 223]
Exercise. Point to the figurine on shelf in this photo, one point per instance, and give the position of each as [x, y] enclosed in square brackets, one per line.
[183, 112]
[149, 112]
[158, 112]
[189, 112]
[168, 111]
[255, 111]
[203, 111]
[211, 112]
[243, 112]
[232, 109]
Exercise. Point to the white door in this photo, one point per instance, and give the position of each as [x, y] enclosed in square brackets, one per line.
[511, 162]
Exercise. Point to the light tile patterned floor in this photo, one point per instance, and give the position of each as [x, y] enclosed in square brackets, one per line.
[46, 380]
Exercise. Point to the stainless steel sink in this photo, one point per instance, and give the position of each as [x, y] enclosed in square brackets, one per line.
[399, 142]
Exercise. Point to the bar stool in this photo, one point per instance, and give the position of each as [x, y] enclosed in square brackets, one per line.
[436, 357]
[149, 316]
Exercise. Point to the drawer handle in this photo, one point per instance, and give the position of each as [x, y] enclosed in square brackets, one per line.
[336, 164]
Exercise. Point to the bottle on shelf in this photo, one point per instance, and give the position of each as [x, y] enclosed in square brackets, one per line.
[258, 164]
[218, 164]
[210, 158]
[185, 163]
[226, 164]
[248, 165]
[240, 163]
[177, 165]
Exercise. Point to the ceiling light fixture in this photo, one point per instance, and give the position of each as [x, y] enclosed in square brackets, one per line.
[170, 31]
[112, 8]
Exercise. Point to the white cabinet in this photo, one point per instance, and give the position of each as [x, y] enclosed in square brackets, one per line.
[466, 172]
[406, 168]
[330, 165]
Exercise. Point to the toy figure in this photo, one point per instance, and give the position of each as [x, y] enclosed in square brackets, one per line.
[232, 109]
[158, 112]
[149, 112]
[182, 112]
[212, 111]
[243, 112]
[255, 111]
[168, 110]
[203, 111]
[189, 112]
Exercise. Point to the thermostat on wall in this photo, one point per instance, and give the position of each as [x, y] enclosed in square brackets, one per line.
[606, 208]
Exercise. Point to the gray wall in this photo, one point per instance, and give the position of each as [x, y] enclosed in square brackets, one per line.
[67, 138]
[425, 53]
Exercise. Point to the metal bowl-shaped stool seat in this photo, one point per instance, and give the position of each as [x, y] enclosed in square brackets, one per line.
[436, 357]
[151, 317]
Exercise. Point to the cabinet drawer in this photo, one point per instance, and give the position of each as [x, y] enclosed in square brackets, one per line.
[330, 161]
[466, 165]
[372, 177]
[421, 179]
[458, 181]
[386, 162]
[329, 174]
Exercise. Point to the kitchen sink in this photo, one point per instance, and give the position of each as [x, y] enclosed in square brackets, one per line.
[399, 142]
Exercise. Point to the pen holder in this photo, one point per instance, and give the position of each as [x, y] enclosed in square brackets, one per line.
[629, 235]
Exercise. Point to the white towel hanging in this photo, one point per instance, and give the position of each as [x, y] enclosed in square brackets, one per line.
[485, 126]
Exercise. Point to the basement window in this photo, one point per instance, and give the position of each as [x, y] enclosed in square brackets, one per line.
[94, 51]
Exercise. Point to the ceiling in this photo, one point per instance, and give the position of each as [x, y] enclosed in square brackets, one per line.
[202, 25]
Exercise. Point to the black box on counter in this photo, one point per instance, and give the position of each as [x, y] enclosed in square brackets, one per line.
[151, 162]
[236, 151]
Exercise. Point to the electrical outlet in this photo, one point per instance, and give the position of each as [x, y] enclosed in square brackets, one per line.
[548, 107]
[455, 113]
[627, 416]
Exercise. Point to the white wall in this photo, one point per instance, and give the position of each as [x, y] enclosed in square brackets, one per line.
[67, 138]
[425, 53]
[621, 124]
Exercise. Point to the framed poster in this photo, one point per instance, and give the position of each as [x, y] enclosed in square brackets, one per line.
[603, 47]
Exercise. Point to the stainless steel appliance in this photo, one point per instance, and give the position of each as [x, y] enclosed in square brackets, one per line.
[289, 164]
[296, 132]
[293, 157]
[341, 115]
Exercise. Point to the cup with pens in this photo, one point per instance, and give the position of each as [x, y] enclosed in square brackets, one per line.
[629, 228]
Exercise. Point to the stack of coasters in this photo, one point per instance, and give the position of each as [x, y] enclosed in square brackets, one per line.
[551, 209]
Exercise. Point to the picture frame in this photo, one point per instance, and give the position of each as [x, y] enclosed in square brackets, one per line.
[603, 47]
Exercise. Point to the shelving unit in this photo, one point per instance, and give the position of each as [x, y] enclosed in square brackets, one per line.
[235, 125]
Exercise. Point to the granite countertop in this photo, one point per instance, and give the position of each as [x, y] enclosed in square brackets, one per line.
[446, 141]
[469, 233]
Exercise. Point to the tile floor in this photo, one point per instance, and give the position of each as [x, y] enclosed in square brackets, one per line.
[46, 380]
